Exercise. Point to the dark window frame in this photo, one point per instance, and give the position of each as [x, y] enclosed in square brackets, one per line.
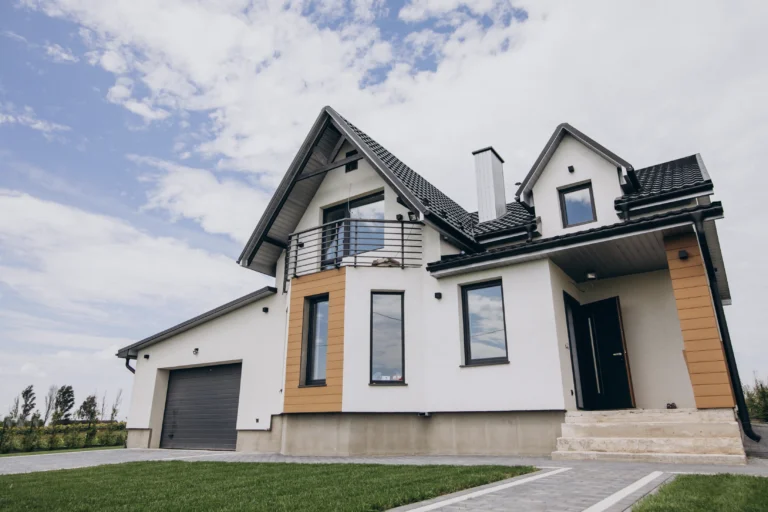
[345, 249]
[350, 166]
[402, 340]
[468, 359]
[310, 322]
[575, 188]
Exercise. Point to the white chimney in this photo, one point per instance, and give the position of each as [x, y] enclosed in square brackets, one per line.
[491, 200]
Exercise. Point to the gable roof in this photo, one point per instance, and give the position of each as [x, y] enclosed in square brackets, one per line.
[131, 351]
[545, 156]
[676, 177]
[518, 216]
[307, 172]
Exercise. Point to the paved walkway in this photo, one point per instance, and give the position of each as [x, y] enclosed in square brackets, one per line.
[559, 486]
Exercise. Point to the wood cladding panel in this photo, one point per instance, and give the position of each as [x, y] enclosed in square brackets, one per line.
[703, 347]
[326, 398]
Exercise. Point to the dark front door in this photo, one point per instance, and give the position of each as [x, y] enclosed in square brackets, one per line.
[201, 408]
[599, 354]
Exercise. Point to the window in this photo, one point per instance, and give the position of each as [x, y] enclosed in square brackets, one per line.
[317, 339]
[485, 338]
[577, 205]
[351, 166]
[342, 238]
[387, 338]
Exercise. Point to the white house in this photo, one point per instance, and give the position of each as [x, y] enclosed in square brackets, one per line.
[584, 317]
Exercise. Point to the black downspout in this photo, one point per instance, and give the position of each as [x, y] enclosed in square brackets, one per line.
[730, 358]
[127, 365]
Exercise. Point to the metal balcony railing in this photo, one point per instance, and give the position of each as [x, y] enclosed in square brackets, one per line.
[354, 243]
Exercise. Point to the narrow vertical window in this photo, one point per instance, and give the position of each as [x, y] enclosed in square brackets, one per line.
[485, 337]
[317, 340]
[387, 338]
[350, 166]
[577, 205]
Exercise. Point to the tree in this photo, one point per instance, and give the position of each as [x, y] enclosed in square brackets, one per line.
[13, 412]
[89, 410]
[50, 403]
[116, 405]
[65, 401]
[36, 420]
[103, 407]
[28, 404]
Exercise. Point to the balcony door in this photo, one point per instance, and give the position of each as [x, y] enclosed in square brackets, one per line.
[351, 228]
[599, 355]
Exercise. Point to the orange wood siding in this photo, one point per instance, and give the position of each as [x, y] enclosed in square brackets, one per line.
[703, 347]
[319, 398]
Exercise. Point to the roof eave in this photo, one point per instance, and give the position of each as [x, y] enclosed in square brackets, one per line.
[131, 351]
[704, 187]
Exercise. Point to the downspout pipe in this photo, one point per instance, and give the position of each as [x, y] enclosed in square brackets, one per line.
[127, 365]
[730, 358]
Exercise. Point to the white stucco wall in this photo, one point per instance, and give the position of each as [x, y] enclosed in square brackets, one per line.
[436, 379]
[653, 336]
[588, 166]
[248, 335]
[562, 283]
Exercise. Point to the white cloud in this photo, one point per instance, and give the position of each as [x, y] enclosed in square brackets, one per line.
[220, 206]
[60, 54]
[26, 116]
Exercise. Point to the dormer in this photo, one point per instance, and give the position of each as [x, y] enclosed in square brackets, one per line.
[574, 182]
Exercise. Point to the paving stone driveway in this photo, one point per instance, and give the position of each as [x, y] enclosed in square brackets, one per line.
[584, 485]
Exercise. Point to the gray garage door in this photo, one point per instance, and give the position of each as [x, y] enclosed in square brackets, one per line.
[201, 408]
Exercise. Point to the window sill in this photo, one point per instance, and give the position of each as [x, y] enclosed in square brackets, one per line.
[316, 385]
[484, 363]
[384, 383]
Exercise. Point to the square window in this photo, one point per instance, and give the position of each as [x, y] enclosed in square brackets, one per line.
[351, 166]
[316, 324]
[577, 205]
[387, 338]
[485, 336]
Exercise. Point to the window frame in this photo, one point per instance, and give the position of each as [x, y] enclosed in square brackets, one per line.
[310, 322]
[468, 359]
[575, 188]
[371, 381]
[345, 248]
[350, 166]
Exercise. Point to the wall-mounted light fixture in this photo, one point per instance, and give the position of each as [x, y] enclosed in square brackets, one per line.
[146, 356]
[571, 169]
[682, 254]
[399, 217]
[195, 351]
[438, 295]
[412, 216]
[265, 309]
[591, 275]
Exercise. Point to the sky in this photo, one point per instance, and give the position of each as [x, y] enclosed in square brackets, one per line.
[141, 139]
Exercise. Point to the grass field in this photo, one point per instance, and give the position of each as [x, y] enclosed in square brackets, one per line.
[48, 452]
[223, 486]
[709, 493]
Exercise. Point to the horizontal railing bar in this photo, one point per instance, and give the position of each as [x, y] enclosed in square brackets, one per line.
[351, 221]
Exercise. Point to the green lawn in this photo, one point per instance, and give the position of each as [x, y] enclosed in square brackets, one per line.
[705, 493]
[224, 486]
[46, 452]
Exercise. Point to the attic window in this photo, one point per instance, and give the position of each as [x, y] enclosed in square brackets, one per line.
[351, 166]
[577, 205]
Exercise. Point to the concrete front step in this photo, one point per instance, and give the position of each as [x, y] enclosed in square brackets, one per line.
[690, 445]
[677, 458]
[652, 429]
[652, 416]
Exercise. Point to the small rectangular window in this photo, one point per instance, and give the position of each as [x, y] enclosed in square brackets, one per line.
[577, 205]
[485, 336]
[351, 166]
[317, 339]
[387, 338]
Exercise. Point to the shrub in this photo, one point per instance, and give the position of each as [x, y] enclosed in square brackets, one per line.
[55, 437]
[757, 400]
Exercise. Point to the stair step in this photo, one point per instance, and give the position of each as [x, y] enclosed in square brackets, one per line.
[652, 416]
[690, 445]
[652, 429]
[675, 458]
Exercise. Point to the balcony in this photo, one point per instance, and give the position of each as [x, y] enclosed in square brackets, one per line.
[354, 243]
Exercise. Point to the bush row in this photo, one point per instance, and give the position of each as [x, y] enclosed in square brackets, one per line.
[56, 437]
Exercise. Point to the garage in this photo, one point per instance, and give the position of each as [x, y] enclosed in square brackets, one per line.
[201, 408]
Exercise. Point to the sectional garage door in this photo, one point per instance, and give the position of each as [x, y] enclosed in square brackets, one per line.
[201, 408]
